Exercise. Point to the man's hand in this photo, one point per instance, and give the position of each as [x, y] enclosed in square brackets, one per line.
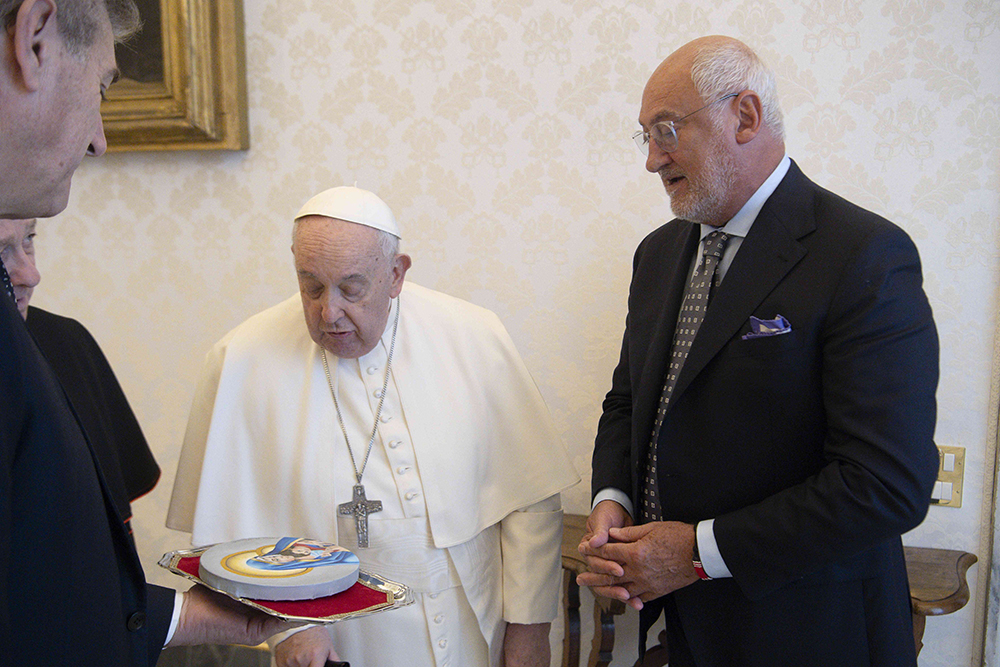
[526, 645]
[208, 617]
[606, 516]
[309, 648]
[653, 559]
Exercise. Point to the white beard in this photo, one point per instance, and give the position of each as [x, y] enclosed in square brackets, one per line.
[706, 193]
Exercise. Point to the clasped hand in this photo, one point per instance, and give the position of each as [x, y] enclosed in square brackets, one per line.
[635, 564]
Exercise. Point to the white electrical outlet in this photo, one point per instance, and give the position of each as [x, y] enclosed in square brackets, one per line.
[951, 469]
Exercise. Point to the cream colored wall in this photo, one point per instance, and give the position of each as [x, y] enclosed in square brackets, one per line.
[499, 133]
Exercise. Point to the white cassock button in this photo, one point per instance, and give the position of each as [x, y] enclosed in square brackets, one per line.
[411, 495]
[385, 419]
[439, 619]
[394, 443]
[443, 643]
[401, 470]
[433, 596]
[377, 393]
[372, 370]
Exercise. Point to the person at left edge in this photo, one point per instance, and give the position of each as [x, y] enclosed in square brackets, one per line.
[81, 597]
[84, 373]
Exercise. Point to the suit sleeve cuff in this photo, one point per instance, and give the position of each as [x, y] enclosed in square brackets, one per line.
[711, 558]
[617, 495]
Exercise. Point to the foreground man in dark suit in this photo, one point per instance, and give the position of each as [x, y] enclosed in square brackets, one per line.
[72, 590]
[796, 445]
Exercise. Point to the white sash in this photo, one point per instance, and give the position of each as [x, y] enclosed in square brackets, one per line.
[401, 550]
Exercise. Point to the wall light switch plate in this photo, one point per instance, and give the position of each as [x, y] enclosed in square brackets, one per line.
[951, 469]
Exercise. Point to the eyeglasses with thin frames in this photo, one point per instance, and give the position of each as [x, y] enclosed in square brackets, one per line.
[664, 133]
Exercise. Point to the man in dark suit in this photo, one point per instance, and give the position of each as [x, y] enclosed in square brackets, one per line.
[72, 590]
[758, 460]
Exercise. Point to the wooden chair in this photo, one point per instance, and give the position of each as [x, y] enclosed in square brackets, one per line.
[937, 584]
[605, 610]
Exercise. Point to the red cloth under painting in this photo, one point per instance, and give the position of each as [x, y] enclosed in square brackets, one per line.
[358, 597]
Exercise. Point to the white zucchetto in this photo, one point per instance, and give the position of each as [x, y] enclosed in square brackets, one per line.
[355, 205]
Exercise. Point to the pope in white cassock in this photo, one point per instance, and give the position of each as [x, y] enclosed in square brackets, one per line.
[404, 400]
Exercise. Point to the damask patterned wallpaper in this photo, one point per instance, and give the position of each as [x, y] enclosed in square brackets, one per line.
[499, 134]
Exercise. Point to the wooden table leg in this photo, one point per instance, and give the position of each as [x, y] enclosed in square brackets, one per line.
[919, 620]
[604, 636]
[571, 637]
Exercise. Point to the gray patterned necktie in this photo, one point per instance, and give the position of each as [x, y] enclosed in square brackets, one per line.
[688, 321]
[5, 279]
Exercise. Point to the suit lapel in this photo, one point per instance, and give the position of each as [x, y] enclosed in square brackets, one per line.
[767, 254]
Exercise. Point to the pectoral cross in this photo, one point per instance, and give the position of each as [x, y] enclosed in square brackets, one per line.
[360, 507]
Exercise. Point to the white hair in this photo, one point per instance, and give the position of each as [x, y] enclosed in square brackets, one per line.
[731, 67]
[387, 243]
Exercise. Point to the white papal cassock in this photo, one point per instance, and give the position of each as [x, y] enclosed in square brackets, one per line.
[467, 463]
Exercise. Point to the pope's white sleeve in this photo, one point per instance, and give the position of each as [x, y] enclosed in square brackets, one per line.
[531, 548]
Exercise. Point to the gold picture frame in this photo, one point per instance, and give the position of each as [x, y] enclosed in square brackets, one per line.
[195, 96]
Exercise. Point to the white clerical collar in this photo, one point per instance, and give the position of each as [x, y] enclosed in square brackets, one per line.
[740, 223]
[386, 337]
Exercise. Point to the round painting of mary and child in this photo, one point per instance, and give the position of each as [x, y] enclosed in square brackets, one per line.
[287, 568]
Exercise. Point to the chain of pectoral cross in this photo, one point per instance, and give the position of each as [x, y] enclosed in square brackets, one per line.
[360, 507]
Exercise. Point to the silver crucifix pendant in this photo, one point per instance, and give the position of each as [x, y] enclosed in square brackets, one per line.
[360, 508]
